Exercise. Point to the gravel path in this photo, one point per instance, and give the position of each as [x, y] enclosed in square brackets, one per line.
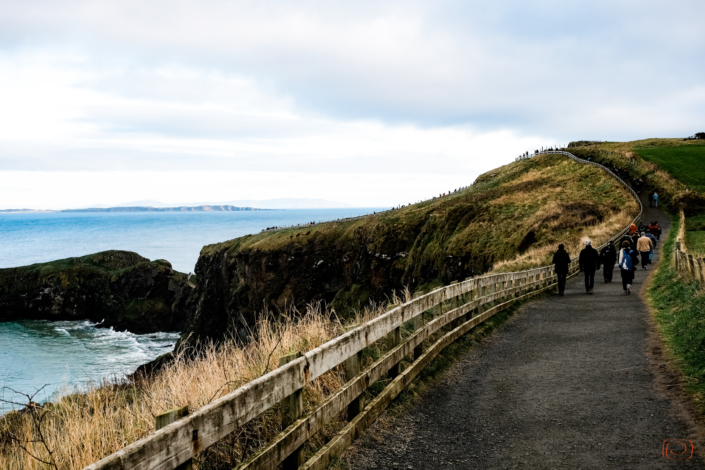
[565, 384]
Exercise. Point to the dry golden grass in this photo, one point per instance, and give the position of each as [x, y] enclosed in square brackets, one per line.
[80, 429]
[543, 255]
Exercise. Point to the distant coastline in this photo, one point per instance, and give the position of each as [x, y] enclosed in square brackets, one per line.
[203, 208]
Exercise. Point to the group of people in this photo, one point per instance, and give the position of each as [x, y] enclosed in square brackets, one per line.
[636, 243]
[536, 152]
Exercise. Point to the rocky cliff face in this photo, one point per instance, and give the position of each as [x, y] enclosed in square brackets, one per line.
[121, 289]
[510, 211]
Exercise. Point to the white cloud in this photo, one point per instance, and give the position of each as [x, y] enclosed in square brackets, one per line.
[437, 89]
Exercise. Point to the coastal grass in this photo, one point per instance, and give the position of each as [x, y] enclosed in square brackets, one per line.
[695, 241]
[511, 218]
[686, 163]
[671, 167]
[82, 428]
[678, 303]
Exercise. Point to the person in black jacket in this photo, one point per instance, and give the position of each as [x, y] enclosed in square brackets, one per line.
[608, 256]
[562, 260]
[589, 262]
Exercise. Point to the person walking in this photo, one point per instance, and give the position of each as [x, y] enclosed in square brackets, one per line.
[644, 246]
[625, 267]
[608, 257]
[635, 239]
[656, 230]
[634, 253]
[562, 260]
[654, 242]
[632, 228]
[651, 199]
[589, 262]
[655, 199]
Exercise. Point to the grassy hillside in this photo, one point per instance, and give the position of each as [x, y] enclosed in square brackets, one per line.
[511, 218]
[675, 168]
[685, 163]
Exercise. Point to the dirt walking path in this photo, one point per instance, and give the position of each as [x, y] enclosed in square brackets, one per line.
[565, 384]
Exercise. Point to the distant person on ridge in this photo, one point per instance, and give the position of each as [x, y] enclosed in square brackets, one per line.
[644, 246]
[625, 267]
[562, 260]
[589, 261]
[608, 257]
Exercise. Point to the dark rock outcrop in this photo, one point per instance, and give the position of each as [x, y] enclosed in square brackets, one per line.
[118, 289]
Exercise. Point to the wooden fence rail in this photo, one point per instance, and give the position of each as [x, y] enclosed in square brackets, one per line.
[468, 304]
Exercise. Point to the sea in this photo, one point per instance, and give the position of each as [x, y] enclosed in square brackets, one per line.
[46, 359]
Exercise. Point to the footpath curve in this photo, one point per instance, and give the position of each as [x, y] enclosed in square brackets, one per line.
[565, 384]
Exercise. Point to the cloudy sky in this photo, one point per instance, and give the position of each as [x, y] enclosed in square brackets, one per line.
[367, 103]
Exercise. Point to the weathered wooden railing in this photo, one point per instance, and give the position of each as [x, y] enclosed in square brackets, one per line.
[459, 306]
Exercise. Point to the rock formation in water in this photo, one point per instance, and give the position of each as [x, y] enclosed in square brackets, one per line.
[118, 289]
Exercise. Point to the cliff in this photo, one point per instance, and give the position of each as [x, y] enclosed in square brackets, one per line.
[121, 289]
[517, 209]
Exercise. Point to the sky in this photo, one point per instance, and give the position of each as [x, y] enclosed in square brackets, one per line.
[372, 104]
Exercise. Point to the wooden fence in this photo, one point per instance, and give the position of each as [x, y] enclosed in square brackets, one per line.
[456, 309]
[686, 262]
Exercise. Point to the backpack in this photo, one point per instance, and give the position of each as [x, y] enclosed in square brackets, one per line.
[626, 264]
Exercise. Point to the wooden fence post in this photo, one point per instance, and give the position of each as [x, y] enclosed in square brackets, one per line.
[169, 417]
[418, 324]
[393, 340]
[353, 366]
[292, 409]
[691, 264]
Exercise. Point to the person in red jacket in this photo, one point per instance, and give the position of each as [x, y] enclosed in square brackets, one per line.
[632, 228]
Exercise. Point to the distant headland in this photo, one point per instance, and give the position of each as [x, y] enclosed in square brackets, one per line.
[201, 206]
[204, 208]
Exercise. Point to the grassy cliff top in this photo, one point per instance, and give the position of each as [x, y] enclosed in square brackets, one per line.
[111, 261]
[669, 165]
[507, 211]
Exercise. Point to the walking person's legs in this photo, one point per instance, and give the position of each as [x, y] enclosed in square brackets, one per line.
[644, 259]
[591, 277]
[561, 283]
[607, 273]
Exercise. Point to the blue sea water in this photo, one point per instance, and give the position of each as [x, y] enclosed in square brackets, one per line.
[71, 354]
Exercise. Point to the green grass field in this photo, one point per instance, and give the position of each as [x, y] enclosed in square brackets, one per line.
[678, 304]
[686, 163]
[695, 241]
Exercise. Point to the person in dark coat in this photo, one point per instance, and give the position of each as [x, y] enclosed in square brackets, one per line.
[562, 261]
[635, 238]
[635, 260]
[608, 256]
[625, 268]
[589, 262]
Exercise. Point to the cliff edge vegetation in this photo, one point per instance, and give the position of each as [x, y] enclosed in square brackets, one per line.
[510, 219]
[118, 289]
